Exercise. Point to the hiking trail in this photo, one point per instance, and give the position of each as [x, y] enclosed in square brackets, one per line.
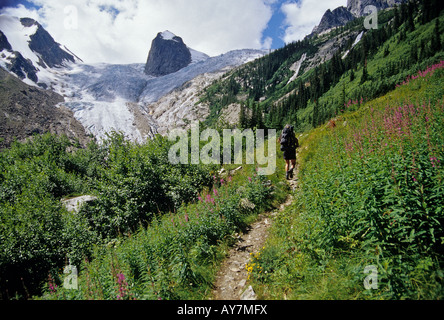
[231, 280]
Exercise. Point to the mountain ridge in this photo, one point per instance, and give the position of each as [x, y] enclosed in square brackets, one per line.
[103, 97]
[29, 51]
[117, 97]
[355, 9]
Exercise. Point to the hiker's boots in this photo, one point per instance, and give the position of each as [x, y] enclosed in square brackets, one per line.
[289, 174]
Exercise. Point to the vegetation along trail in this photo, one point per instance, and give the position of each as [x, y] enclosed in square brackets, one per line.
[232, 279]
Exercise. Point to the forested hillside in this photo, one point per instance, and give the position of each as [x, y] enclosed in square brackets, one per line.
[408, 38]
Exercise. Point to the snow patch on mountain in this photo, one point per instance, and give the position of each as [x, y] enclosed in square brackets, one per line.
[296, 67]
[168, 35]
[197, 56]
[26, 63]
[19, 36]
[358, 39]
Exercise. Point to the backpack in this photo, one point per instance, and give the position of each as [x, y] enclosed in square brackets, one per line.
[288, 139]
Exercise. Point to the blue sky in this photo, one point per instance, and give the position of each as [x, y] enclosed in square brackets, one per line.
[275, 29]
[14, 3]
[121, 31]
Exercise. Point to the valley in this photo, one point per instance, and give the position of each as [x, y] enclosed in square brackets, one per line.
[367, 107]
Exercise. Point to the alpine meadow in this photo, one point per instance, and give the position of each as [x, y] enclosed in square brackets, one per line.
[362, 218]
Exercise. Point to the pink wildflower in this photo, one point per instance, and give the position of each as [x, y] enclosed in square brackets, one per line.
[434, 161]
[123, 286]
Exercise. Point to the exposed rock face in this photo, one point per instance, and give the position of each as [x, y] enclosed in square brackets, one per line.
[356, 7]
[75, 204]
[27, 110]
[178, 109]
[4, 44]
[22, 67]
[168, 54]
[331, 19]
[43, 44]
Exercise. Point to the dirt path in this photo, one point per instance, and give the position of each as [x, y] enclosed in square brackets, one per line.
[231, 281]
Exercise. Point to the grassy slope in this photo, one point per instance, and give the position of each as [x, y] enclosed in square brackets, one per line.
[317, 250]
[398, 51]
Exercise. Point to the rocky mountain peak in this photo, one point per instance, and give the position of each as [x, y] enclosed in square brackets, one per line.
[27, 48]
[331, 19]
[168, 35]
[28, 22]
[168, 54]
[44, 44]
[356, 7]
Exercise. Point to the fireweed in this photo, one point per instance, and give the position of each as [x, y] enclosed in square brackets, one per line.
[422, 74]
[371, 193]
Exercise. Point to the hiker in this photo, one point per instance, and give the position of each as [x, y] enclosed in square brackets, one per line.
[289, 144]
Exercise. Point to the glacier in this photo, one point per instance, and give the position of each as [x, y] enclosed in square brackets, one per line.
[111, 97]
[103, 96]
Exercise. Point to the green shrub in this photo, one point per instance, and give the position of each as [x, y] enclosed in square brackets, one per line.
[132, 183]
[174, 257]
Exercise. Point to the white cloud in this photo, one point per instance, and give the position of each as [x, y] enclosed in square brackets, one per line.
[267, 43]
[303, 16]
[121, 31]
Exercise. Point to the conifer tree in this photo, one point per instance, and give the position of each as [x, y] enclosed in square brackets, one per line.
[414, 53]
[364, 77]
[436, 38]
[242, 117]
[410, 24]
[396, 19]
[343, 96]
[352, 75]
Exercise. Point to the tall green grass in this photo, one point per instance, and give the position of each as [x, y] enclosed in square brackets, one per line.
[371, 194]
